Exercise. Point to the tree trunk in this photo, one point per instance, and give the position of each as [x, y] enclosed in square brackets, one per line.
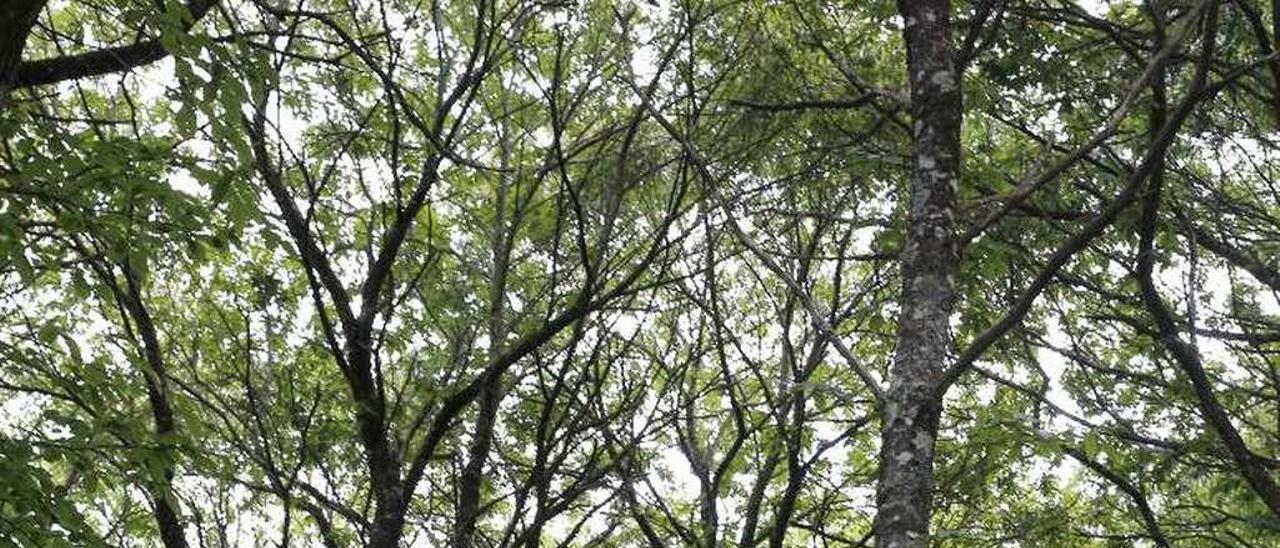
[913, 403]
[381, 460]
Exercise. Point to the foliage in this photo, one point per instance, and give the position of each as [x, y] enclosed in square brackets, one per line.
[628, 273]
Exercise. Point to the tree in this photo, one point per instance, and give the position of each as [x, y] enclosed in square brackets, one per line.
[703, 273]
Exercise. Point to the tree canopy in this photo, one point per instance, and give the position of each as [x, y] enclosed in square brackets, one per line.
[613, 273]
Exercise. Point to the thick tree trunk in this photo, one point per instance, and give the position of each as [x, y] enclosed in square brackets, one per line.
[912, 408]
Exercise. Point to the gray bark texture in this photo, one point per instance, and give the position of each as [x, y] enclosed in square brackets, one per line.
[913, 403]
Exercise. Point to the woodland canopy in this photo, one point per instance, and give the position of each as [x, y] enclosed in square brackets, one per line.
[500, 273]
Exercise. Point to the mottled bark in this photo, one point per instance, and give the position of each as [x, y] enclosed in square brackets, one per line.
[904, 494]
